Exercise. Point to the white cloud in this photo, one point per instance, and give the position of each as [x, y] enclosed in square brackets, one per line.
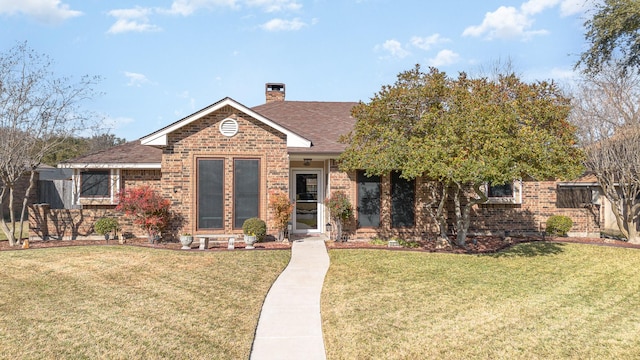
[533, 7]
[132, 20]
[44, 11]
[425, 43]
[188, 7]
[394, 48]
[275, 5]
[508, 22]
[571, 7]
[136, 79]
[444, 58]
[283, 25]
[505, 23]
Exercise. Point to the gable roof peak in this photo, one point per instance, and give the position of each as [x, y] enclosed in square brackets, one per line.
[159, 137]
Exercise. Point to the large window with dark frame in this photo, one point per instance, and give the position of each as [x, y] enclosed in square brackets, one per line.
[368, 200]
[95, 183]
[210, 197]
[403, 195]
[246, 190]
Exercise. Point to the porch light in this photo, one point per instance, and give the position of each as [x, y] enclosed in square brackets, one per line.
[307, 162]
[328, 227]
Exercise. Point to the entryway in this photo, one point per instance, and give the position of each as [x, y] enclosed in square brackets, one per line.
[307, 190]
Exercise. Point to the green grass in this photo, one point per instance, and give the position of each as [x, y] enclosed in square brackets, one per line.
[537, 301]
[118, 302]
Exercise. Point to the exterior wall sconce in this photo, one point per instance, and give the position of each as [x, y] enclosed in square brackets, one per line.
[307, 162]
[328, 228]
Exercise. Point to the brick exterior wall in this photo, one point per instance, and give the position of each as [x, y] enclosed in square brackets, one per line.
[538, 204]
[70, 224]
[202, 139]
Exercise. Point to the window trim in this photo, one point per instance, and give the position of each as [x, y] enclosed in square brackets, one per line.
[515, 198]
[95, 172]
[233, 211]
[197, 193]
[415, 199]
[362, 173]
[114, 187]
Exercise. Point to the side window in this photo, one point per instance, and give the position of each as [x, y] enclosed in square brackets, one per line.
[95, 183]
[210, 179]
[509, 193]
[500, 191]
[246, 190]
[368, 200]
[403, 195]
[573, 197]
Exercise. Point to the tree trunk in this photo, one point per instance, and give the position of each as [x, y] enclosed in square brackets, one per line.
[3, 223]
[25, 201]
[463, 215]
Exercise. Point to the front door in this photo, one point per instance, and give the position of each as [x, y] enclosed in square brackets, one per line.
[307, 189]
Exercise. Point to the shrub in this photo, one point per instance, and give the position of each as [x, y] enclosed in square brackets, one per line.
[340, 210]
[105, 225]
[255, 227]
[281, 207]
[149, 210]
[559, 225]
[411, 244]
[339, 206]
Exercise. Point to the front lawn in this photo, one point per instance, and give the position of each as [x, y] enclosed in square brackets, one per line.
[118, 302]
[536, 301]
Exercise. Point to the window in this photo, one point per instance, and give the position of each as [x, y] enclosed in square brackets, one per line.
[368, 200]
[573, 196]
[502, 191]
[246, 190]
[510, 193]
[95, 183]
[210, 178]
[402, 201]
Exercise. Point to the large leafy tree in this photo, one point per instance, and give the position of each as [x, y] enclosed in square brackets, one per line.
[463, 133]
[614, 35]
[38, 110]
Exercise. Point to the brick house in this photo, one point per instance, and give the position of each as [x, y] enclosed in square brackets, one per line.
[219, 165]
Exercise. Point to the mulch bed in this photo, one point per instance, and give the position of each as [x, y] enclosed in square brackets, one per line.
[482, 244]
[39, 244]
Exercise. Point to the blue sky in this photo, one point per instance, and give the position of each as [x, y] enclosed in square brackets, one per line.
[163, 60]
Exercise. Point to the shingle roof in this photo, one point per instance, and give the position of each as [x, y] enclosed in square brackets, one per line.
[320, 122]
[129, 153]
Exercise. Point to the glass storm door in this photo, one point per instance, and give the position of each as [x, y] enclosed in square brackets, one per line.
[307, 190]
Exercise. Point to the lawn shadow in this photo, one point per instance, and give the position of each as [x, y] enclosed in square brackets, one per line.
[531, 249]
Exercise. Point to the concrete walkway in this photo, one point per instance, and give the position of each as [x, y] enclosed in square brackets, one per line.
[290, 326]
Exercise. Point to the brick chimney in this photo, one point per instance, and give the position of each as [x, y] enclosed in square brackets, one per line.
[274, 92]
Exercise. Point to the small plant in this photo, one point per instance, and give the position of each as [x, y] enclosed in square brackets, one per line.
[378, 241]
[255, 227]
[281, 208]
[559, 225]
[340, 210]
[411, 244]
[106, 225]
